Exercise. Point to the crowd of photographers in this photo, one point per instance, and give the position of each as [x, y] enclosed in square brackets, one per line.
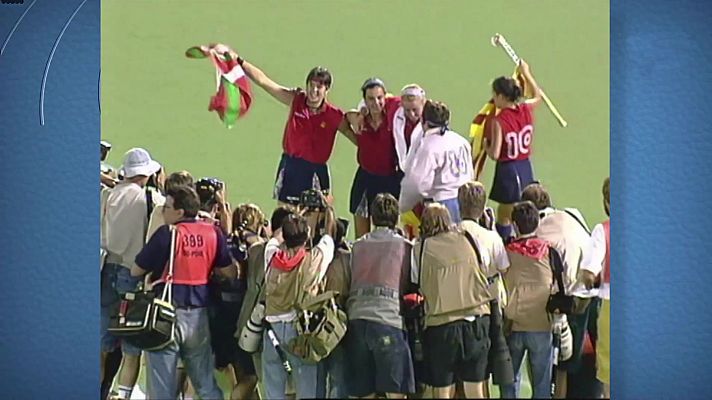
[282, 301]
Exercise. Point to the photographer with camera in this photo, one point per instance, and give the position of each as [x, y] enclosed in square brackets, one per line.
[181, 178]
[248, 223]
[332, 370]
[124, 220]
[568, 233]
[379, 355]
[447, 268]
[200, 249]
[529, 288]
[294, 272]
[213, 203]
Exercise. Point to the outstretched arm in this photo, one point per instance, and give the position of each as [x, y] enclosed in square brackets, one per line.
[281, 93]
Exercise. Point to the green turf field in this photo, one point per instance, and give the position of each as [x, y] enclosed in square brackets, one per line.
[154, 97]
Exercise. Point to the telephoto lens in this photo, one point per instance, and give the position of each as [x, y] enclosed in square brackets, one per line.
[251, 335]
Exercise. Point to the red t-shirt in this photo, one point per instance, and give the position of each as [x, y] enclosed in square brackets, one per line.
[517, 132]
[311, 136]
[376, 147]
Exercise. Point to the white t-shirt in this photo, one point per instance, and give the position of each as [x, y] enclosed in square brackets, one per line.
[595, 256]
[438, 168]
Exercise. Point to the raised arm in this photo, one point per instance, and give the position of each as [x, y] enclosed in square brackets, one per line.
[526, 73]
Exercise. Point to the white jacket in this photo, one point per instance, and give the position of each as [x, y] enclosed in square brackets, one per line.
[436, 169]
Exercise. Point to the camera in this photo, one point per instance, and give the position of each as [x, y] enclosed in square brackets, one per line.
[251, 335]
[206, 188]
[312, 198]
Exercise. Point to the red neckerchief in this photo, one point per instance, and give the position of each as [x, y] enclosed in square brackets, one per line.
[282, 261]
[531, 247]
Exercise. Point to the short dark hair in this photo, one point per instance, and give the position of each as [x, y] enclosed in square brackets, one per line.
[537, 194]
[320, 74]
[526, 216]
[436, 113]
[180, 178]
[185, 198]
[278, 216]
[508, 87]
[384, 210]
[606, 190]
[295, 231]
[371, 83]
[471, 197]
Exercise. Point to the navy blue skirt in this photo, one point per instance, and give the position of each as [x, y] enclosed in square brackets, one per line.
[295, 175]
[510, 178]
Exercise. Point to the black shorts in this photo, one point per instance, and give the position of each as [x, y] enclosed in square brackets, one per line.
[367, 185]
[456, 351]
[295, 175]
[580, 324]
[510, 178]
[378, 359]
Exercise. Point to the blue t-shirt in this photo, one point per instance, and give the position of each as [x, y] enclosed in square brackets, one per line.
[154, 258]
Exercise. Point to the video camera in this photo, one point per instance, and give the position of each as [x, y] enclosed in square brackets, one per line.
[312, 199]
[206, 189]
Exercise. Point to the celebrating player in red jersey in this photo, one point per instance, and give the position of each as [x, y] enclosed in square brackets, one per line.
[309, 134]
[378, 170]
[508, 140]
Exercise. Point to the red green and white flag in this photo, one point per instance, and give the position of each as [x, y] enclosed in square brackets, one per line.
[233, 96]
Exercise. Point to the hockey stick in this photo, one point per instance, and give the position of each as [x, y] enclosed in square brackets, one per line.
[499, 40]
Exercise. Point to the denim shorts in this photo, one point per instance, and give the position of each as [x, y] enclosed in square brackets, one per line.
[378, 359]
[115, 281]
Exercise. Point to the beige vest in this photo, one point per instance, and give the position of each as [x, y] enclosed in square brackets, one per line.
[529, 284]
[338, 276]
[451, 279]
[285, 291]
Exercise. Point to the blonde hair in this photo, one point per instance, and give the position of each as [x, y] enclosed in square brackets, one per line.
[435, 220]
[409, 90]
[249, 216]
[471, 198]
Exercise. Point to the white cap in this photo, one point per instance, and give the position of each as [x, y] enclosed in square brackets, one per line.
[137, 161]
[106, 144]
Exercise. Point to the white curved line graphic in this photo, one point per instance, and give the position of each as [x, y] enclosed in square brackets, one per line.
[14, 28]
[49, 60]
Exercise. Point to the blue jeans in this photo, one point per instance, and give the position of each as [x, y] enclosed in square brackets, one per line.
[454, 207]
[192, 345]
[540, 351]
[332, 375]
[275, 377]
[115, 281]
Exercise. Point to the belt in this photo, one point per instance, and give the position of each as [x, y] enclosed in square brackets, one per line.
[376, 291]
[113, 258]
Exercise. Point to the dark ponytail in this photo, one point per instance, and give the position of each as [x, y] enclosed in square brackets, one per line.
[507, 87]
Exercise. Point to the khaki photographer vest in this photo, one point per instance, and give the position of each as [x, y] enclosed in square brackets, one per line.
[529, 284]
[285, 291]
[338, 276]
[452, 280]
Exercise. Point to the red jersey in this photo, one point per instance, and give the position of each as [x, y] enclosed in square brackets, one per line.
[517, 132]
[196, 249]
[376, 147]
[311, 136]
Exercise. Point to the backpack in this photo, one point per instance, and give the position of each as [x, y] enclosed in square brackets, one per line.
[320, 328]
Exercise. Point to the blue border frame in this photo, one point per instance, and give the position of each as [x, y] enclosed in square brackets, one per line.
[49, 112]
